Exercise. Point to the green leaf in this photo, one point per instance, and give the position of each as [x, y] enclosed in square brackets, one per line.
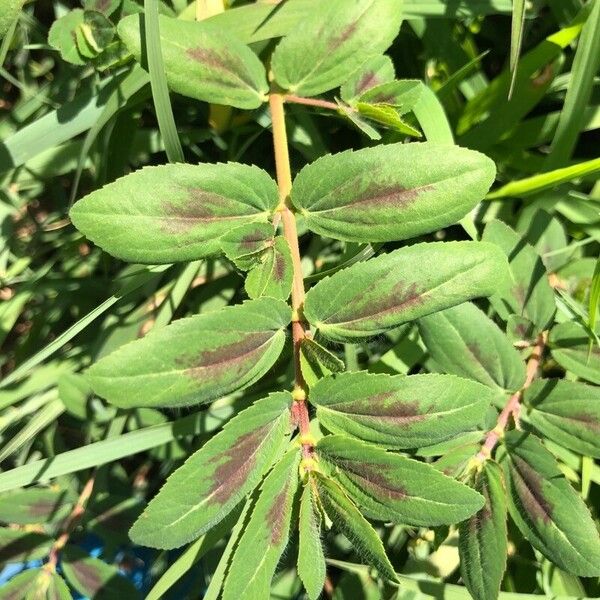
[35, 584]
[215, 478]
[391, 192]
[106, 7]
[174, 212]
[399, 411]
[464, 341]
[311, 560]
[266, 534]
[274, 274]
[570, 345]
[391, 487]
[377, 70]
[403, 94]
[567, 412]
[94, 578]
[62, 36]
[332, 41]
[317, 362]
[244, 245]
[547, 510]
[33, 505]
[380, 294]
[483, 542]
[22, 546]
[529, 294]
[196, 359]
[9, 13]
[347, 519]
[203, 62]
[387, 116]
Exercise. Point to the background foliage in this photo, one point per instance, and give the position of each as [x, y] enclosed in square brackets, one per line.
[517, 81]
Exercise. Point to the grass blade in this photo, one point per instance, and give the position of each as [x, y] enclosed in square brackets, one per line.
[114, 448]
[516, 40]
[573, 115]
[537, 183]
[140, 278]
[158, 83]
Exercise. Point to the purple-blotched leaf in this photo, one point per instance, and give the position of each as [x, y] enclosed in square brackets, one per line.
[29, 506]
[390, 487]
[95, 579]
[213, 480]
[380, 294]
[392, 191]
[21, 546]
[570, 346]
[203, 62]
[274, 273]
[377, 70]
[197, 359]
[317, 362]
[174, 212]
[399, 411]
[348, 519]
[311, 559]
[332, 41]
[529, 293]
[547, 510]
[463, 340]
[266, 534]
[483, 542]
[567, 412]
[246, 244]
[36, 584]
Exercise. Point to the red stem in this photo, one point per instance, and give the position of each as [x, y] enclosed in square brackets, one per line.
[513, 405]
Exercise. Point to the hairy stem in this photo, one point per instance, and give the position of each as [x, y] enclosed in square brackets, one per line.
[71, 522]
[311, 102]
[513, 406]
[290, 232]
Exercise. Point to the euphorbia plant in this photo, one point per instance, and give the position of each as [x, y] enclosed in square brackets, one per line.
[329, 447]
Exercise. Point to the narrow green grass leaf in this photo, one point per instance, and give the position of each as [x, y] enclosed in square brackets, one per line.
[400, 411]
[197, 359]
[176, 212]
[37, 423]
[547, 510]
[112, 449]
[537, 183]
[391, 192]
[572, 117]
[136, 280]
[594, 297]
[464, 341]
[378, 295]
[516, 40]
[391, 487]
[267, 533]
[158, 83]
[214, 479]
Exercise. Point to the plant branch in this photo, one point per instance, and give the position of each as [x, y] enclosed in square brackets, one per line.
[71, 522]
[290, 232]
[311, 102]
[513, 406]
